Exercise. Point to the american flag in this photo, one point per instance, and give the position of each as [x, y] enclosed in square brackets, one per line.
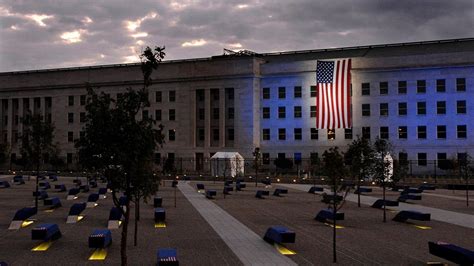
[334, 98]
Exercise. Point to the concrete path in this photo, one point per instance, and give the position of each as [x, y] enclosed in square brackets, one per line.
[447, 196]
[249, 247]
[456, 218]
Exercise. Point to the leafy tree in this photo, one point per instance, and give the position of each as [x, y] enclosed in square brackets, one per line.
[360, 158]
[36, 143]
[120, 146]
[382, 167]
[283, 163]
[257, 155]
[334, 165]
[4, 152]
[465, 170]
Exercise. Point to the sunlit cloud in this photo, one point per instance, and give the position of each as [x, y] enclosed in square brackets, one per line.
[102, 55]
[235, 45]
[242, 6]
[131, 59]
[194, 43]
[139, 35]
[133, 25]
[87, 20]
[38, 18]
[71, 37]
[14, 27]
[139, 42]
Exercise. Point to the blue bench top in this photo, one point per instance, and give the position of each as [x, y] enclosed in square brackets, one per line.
[77, 208]
[452, 253]
[115, 214]
[100, 238]
[45, 232]
[102, 190]
[73, 191]
[93, 197]
[24, 213]
[279, 234]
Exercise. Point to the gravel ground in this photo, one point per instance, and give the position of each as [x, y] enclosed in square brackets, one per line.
[365, 240]
[196, 242]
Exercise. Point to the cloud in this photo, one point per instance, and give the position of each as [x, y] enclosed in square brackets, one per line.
[201, 28]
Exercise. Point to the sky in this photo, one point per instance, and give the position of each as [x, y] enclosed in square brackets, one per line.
[42, 34]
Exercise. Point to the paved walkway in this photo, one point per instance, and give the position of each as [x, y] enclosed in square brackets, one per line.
[250, 248]
[456, 218]
[447, 196]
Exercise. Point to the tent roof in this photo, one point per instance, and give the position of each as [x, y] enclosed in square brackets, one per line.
[223, 154]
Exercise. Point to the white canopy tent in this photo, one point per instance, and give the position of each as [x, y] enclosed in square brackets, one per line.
[227, 163]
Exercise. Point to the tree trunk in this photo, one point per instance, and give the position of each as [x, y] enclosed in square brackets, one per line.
[358, 190]
[256, 175]
[137, 218]
[467, 189]
[384, 209]
[334, 224]
[123, 243]
[37, 182]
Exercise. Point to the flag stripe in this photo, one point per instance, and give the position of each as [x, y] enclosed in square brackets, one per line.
[333, 103]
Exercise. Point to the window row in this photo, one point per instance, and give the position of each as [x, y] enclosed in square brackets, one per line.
[215, 136]
[282, 92]
[420, 86]
[422, 157]
[72, 100]
[215, 94]
[441, 109]
[297, 112]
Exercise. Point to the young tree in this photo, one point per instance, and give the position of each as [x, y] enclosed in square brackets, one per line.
[360, 157]
[119, 145]
[335, 171]
[256, 162]
[465, 170]
[382, 166]
[36, 143]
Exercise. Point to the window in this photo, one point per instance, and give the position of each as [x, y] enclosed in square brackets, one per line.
[313, 91]
[172, 115]
[71, 101]
[421, 108]
[70, 136]
[421, 132]
[297, 111]
[366, 132]
[383, 88]
[348, 133]
[365, 88]
[266, 112]
[158, 115]
[83, 100]
[82, 117]
[421, 86]
[158, 96]
[157, 158]
[201, 113]
[282, 134]
[171, 135]
[201, 134]
[230, 113]
[70, 117]
[16, 120]
[215, 94]
[172, 96]
[460, 84]
[144, 114]
[462, 131]
[265, 158]
[314, 133]
[440, 85]
[331, 134]
[402, 132]
[69, 158]
[384, 109]
[281, 92]
[266, 134]
[384, 133]
[230, 93]
[422, 159]
[403, 156]
[441, 157]
[441, 107]
[48, 118]
[297, 92]
[402, 108]
[215, 134]
[200, 95]
[365, 109]
[266, 93]
[297, 133]
[215, 113]
[402, 87]
[461, 107]
[441, 131]
[230, 134]
[312, 111]
[281, 112]
[48, 102]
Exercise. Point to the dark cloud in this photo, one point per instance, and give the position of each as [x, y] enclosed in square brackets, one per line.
[258, 25]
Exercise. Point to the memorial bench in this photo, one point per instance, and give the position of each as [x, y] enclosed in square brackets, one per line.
[315, 189]
[93, 184]
[452, 253]
[411, 190]
[18, 180]
[279, 234]
[266, 182]
[379, 203]
[46, 232]
[157, 202]
[328, 214]
[239, 186]
[403, 216]
[261, 193]
[211, 193]
[363, 190]
[53, 202]
[60, 188]
[279, 191]
[74, 212]
[22, 215]
[228, 183]
[72, 194]
[160, 215]
[41, 194]
[427, 187]
[84, 188]
[4, 184]
[227, 190]
[53, 178]
[174, 183]
[102, 192]
[44, 185]
[405, 197]
[329, 198]
[167, 257]
[92, 200]
[115, 218]
[200, 187]
[100, 238]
